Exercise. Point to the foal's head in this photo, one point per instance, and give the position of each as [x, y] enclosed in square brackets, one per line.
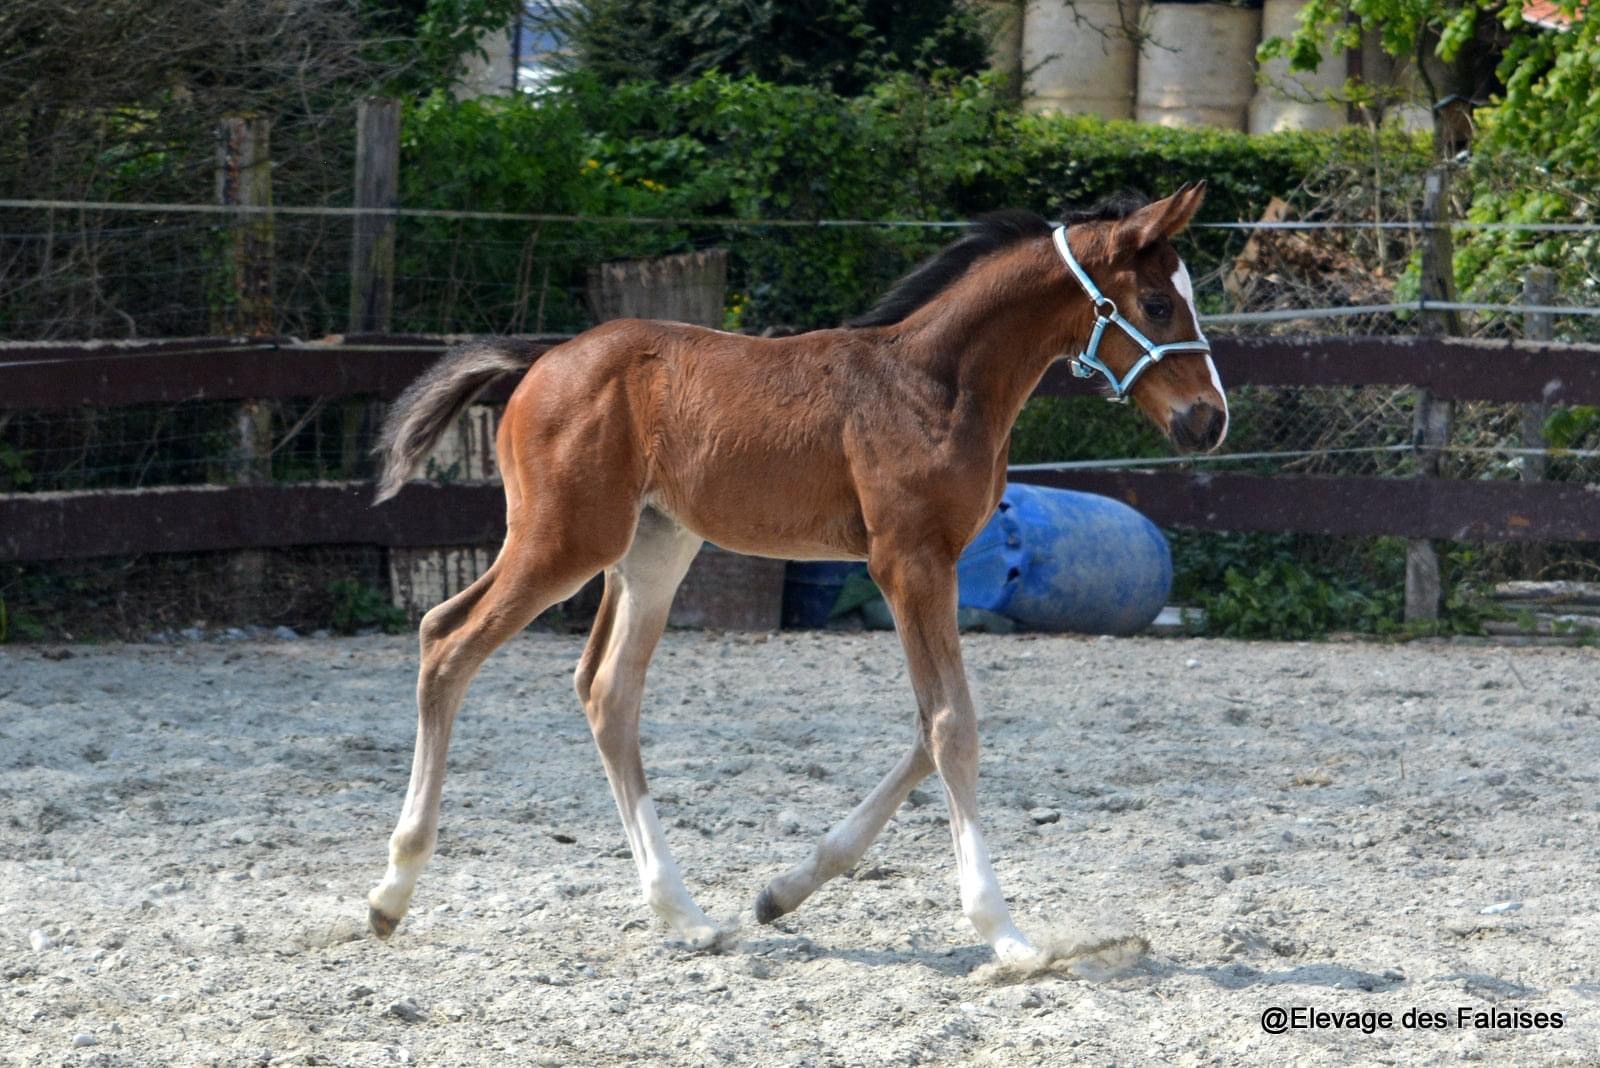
[1131, 261]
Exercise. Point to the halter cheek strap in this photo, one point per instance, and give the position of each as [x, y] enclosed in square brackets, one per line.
[1088, 363]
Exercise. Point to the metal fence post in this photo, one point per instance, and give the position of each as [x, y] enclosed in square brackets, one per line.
[1431, 426]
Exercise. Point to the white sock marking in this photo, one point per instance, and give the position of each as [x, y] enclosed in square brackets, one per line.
[981, 898]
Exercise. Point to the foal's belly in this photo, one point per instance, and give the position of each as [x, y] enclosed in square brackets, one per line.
[786, 511]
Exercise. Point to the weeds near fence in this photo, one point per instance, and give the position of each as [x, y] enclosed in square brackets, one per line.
[357, 606]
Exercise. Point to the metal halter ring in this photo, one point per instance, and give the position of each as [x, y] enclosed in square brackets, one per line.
[1087, 363]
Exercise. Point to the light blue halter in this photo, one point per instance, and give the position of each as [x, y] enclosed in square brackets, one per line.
[1086, 363]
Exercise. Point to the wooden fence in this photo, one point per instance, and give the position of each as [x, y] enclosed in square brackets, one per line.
[92, 523]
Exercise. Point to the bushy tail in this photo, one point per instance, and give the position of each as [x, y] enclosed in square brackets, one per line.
[419, 418]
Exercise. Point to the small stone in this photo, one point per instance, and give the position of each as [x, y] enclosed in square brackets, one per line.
[82, 1039]
[405, 1009]
[1042, 816]
[1498, 907]
[1191, 663]
[287, 634]
[789, 821]
[229, 934]
[234, 634]
[322, 633]
[192, 634]
[40, 941]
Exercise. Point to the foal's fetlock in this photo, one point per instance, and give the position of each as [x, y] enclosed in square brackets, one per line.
[388, 903]
[385, 910]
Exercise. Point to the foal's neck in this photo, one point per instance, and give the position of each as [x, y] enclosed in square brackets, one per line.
[992, 335]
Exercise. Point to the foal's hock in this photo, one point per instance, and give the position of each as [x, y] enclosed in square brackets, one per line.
[885, 440]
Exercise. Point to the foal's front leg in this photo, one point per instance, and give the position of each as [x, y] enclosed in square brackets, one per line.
[922, 592]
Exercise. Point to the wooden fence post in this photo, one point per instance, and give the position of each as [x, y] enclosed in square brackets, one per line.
[723, 590]
[377, 185]
[244, 180]
[1431, 427]
[1538, 288]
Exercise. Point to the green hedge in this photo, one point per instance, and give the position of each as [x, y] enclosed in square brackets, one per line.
[721, 147]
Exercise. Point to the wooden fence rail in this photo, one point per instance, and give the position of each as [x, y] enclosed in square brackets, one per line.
[63, 525]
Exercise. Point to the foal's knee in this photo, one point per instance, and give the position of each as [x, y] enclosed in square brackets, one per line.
[411, 843]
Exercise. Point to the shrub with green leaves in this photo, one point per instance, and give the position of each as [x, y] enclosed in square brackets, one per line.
[944, 148]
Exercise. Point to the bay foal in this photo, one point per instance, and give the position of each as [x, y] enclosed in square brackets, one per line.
[886, 440]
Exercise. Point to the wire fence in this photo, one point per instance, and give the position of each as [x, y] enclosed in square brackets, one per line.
[90, 270]
[80, 269]
[74, 269]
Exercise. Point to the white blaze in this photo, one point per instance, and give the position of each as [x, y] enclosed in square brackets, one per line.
[1185, 288]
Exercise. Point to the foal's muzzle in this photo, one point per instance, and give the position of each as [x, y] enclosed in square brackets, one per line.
[1197, 428]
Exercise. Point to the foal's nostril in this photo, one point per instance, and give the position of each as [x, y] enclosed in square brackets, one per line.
[1214, 423]
[1199, 427]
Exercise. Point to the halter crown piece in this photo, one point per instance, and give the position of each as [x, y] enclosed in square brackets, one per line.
[1086, 363]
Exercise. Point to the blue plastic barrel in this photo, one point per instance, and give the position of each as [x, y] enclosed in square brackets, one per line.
[811, 589]
[1056, 559]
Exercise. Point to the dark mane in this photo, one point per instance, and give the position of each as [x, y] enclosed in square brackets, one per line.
[989, 233]
[1118, 205]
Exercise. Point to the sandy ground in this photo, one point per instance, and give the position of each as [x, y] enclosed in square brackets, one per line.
[187, 834]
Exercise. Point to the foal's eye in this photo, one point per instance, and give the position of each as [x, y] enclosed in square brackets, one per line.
[1156, 307]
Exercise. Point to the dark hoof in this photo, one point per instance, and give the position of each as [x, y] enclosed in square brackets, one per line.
[767, 908]
[382, 925]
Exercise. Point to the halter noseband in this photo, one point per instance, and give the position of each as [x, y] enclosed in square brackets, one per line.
[1086, 363]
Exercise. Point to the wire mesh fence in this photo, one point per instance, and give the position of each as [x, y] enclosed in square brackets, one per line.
[112, 275]
[337, 589]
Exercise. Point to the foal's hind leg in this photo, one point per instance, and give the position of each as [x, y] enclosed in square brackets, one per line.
[610, 682]
[844, 844]
[457, 636]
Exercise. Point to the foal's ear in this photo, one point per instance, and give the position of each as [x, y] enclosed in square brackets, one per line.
[1164, 218]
